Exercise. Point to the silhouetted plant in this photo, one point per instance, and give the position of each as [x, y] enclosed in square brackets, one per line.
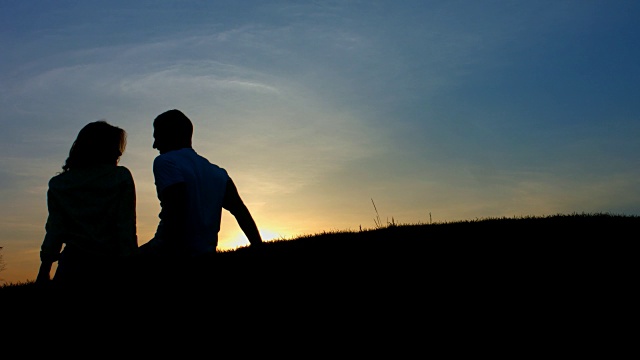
[2, 265]
[377, 220]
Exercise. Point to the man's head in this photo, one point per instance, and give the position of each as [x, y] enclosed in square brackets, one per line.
[172, 130]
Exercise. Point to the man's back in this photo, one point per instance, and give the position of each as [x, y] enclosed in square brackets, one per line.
[205, 185]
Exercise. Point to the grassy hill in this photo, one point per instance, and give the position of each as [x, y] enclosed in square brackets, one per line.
[527, 283]
[490, 251]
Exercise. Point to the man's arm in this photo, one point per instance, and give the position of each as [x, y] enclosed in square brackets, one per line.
[236, 206]
[173, 201]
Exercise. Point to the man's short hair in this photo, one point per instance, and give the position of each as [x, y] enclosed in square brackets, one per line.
[175, 123]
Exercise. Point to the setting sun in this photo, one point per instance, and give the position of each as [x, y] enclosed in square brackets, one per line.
[237, 239]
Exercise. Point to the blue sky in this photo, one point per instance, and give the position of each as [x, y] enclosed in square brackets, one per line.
[458, 109]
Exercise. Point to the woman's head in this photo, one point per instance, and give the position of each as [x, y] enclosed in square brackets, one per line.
[97, 143]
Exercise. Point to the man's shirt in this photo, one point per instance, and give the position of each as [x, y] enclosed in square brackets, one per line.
[205, 185]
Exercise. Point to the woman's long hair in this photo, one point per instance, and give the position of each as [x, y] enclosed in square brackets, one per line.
[97, 143]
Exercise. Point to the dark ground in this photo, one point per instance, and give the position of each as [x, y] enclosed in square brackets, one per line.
[527, 267]
[555, 286]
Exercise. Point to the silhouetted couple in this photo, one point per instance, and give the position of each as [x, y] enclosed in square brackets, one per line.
[91, 226]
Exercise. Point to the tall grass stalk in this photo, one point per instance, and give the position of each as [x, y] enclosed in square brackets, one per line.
[377, 220]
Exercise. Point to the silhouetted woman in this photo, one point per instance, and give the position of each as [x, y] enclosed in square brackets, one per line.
[92, 211]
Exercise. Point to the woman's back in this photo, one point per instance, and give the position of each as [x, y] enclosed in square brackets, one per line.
[94, 210]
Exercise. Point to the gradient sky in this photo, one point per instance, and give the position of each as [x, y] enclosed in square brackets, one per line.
[458, 109]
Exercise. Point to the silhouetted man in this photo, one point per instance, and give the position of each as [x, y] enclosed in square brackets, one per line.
[192, 193]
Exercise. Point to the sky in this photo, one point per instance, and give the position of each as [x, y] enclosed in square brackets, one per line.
[433, 111]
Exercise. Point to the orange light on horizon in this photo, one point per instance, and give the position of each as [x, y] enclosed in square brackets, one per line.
[238, 239]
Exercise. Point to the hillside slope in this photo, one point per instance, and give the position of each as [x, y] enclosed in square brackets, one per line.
[557, 250]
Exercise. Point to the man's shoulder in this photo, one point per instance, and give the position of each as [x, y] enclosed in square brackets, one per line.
[185, 159]
[166, 158]
[176, 154]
